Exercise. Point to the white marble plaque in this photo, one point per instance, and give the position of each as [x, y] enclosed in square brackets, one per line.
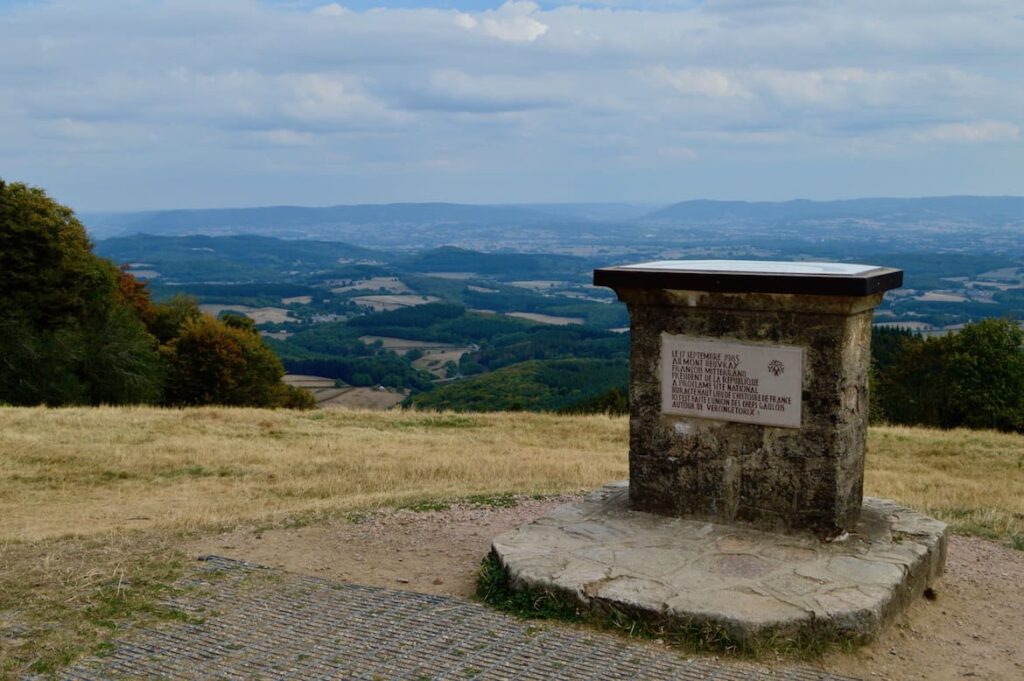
[737, 382]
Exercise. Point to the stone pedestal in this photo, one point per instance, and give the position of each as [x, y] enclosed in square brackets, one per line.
[744, 510]
[750, 406]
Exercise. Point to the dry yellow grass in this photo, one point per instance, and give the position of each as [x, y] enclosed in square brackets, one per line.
[92, 500]
[85, 471]
[973, 480]
[82, 471]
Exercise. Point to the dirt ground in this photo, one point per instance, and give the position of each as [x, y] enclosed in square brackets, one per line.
[974, 629]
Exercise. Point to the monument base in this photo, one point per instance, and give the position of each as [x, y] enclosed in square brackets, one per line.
[748, 586]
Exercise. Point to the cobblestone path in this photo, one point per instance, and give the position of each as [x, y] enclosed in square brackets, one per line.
[249, 622]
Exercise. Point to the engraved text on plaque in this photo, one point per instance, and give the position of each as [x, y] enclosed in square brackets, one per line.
[731, 381]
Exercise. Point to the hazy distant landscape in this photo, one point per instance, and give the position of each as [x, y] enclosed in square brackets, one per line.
[412, 297]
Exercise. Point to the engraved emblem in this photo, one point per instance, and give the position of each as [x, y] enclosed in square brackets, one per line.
[776, 367]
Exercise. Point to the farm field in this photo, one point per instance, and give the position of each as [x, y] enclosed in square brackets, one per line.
[404, 345]
[364, 398]
[260, 315]
[538, 284]
[387, 303]
[435, 355]
[941, 297]
[546, 318]
[434, 361]
[329, 395]
[454, 276]
[389, 284]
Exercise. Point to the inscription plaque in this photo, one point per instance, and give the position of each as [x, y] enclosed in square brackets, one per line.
[731, 381]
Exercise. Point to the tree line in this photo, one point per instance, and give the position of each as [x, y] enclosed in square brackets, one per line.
[76, 329]
[973, 378]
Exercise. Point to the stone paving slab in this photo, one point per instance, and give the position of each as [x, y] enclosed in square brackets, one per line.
[250, 622]
[753, 585]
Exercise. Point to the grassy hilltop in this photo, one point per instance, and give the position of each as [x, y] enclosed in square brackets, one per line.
[84, 471]
[96, 502]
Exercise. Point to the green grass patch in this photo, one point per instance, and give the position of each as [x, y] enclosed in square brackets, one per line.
[437, 422]
[425, 506]
[504, 500]
[71, 597]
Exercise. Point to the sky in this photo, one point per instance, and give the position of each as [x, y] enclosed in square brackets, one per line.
[150, 104]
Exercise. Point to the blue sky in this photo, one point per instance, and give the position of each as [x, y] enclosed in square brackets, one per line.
[128, 104]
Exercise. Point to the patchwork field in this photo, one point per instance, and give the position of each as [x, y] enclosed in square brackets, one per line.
[387, 284]
[538, 284]
[364, 398]
[259, 315]
[330, 395]
[434, 361]
[941, 297]
[435, 355]
[456, 276]
[546, 318]
[387, 303]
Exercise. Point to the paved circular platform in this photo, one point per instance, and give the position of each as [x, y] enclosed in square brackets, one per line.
[255, 623]
[751, 585]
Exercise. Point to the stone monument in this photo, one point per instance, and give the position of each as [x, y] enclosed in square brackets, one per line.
[748, 419]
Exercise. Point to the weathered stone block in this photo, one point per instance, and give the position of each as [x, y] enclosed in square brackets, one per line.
[730, 459]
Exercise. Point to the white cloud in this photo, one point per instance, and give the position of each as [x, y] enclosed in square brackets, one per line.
[330, 10]
[984, 131]
[679, 153]
[522, 92]
[514, 22]
[703, 82]
[286, 137]
[465, 21]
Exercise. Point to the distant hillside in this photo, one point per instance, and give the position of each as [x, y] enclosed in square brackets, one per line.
[241, 257]
[818, 229]
[528, 386]
[297, 221]
[931, 209]
[503, 265]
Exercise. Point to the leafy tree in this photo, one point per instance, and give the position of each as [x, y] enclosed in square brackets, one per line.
[292, 397]
[37, 366]
[134, 293]
[48, 273]
[170, 317]
[612, 401]
[984, 376]
[71, 332]
[119, 361]
[973, 379]
[211, 362]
